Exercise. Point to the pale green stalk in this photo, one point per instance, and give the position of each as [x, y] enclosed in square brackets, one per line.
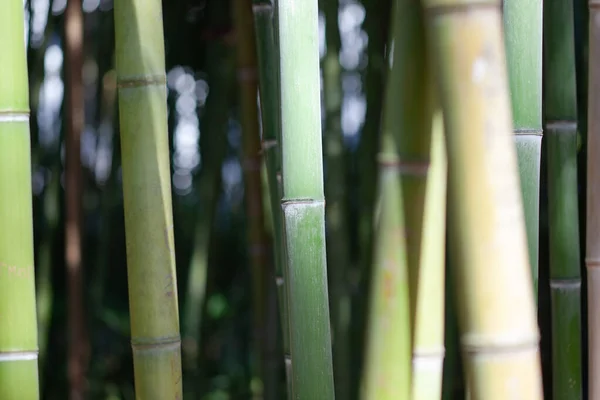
[140, 61]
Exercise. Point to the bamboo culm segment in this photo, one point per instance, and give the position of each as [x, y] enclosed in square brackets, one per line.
[593, 199]
[560, 99]
[523, 42]
[147, 199]
[488, 231]
[18, 337]
[303, 201]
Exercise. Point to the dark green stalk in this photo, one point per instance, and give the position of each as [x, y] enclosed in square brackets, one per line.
[560, 100]
[303, 201]
[267, 52]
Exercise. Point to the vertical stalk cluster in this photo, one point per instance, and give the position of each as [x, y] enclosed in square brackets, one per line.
[142, 92]
[73, 192]
[488, 231]
[592, 257]
[18, 336]
[560, 101]
[523, 42]
[303, 201]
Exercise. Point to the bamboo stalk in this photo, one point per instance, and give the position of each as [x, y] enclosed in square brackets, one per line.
[267, 52]
[426, 237]
[560, 100]
[523, 40]
[338, 251]
[18, 336]
[252, 162]
[387, 372]
[303, 202]
[140, 62]
[592, 257]
[78, 343]
[500, 345]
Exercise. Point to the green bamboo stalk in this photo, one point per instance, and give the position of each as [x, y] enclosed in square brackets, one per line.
[267, 53]
[500, 345]
[303, 202]
[523, 40]
[78, 347]
[18, 336]
[387, 372]
[592, 257]
[142, 92]
[338, 251]
[425, 211]
[252, 162]
[560, 100]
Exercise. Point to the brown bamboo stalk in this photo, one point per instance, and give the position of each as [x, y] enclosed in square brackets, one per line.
[252, 162]
[592, 259]
[78, 347]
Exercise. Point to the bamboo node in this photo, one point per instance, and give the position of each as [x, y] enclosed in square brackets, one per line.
[443, 9]
[565, 284]
[155, 345]
[302, 202]
[263, 7]
[481, 346]
[268, 144]
[410, 168]
[593, 4]
[9, 356]
[141, 81]
[528, 131]
[14, 116]
[561, 126]
[592, 262]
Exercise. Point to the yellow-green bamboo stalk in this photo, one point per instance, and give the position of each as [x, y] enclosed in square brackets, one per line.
[387, 369]
[426, 237]
[497, 314]
[18, 331]
[140, 61]
[303, 201]
[592, 257]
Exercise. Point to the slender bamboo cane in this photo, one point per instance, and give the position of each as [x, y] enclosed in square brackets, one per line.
[267, 52]
[78, 346]
[387, 359]
[500, 346]
[147, 197]
[523, 40]
[425, 210]
[18, 336]
[560, 100]
[252, 162]
[592, 257]
[303, 202]
[338, 252]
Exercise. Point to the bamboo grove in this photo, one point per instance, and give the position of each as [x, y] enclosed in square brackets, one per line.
[304, 200]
